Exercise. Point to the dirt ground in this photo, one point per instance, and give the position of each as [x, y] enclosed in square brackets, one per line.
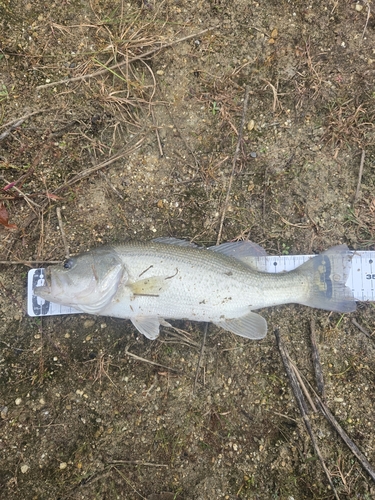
[89, 407]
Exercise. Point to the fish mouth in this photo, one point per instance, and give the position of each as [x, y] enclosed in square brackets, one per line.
[44, 291]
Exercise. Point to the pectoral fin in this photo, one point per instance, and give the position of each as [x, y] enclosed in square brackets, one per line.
[147, 325]
[152, 286]
[251, 326]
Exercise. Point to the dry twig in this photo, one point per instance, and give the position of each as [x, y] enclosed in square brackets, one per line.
[179, 336]
[128, 482]
[114, 189]
[13, 124]
[276, 102]
[363, 330]
[367, 19]
[30, 263]
[352, 446]
[200, 356]
[61, 226]
[144, 360]
[157, 133]
[302, 226]
[28, 200]
[302, 385]
[235, 157]
[137, 462]
[316, 361]
[302, 406]
[360, 176]
[99, 166]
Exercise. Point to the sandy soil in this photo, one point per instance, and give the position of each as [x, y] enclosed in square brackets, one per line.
[84, 414]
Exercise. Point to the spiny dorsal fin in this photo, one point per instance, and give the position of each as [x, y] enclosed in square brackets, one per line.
[247, 252]
[175, 241]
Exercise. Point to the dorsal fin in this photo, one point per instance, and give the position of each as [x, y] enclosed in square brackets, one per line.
[240, 249]
[175, 241]
[247, 252]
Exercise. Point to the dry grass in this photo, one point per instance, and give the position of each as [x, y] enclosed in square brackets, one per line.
[346, 125]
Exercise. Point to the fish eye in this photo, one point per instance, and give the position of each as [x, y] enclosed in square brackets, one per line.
[68, 263]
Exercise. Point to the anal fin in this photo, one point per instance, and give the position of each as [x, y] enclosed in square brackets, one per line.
[251, 326]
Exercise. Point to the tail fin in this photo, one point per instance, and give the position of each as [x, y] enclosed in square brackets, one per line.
[330, 271]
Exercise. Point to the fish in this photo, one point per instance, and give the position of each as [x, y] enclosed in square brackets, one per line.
[168, 278]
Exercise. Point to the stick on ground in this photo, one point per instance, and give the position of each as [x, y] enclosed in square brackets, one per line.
[302, 406]
[353, 447]
[200, 356]
[85, 173]
[316, 361]
[30, 263]
[235, 157]
[360, 176]
[61, 226]
[144, 360]
[363, 330]
[13, 124]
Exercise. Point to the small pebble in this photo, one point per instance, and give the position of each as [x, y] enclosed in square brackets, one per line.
[18, 401]
[250, 125]
[63, 465]
[88, 323]
[24, 468]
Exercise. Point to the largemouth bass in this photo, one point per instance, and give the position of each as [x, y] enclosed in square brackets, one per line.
[174, 279]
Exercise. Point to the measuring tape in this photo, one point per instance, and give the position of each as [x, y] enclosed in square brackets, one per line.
[361, 280]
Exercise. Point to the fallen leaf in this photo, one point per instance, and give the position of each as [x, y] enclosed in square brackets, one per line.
[4, 217]
[53, 196]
